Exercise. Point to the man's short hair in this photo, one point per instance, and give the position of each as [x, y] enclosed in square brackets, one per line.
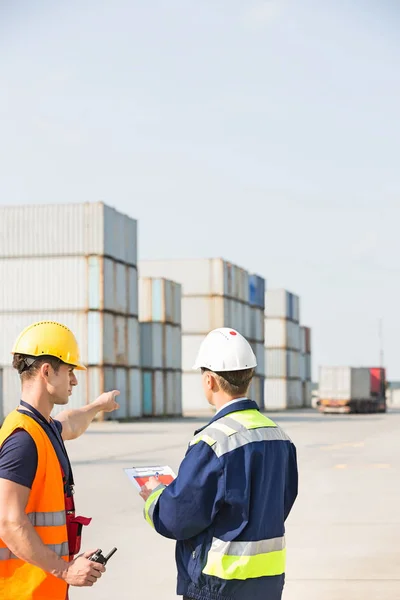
[28, 366]
[233, 382]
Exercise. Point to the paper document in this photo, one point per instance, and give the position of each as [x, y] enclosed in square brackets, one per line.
[140, 475]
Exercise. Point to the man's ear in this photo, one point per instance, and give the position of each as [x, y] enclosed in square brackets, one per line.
[213, 381]
[45, 370]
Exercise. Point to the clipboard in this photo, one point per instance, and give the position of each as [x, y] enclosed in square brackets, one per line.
[138, 476]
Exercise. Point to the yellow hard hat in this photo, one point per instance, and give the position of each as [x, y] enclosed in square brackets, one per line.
[49, 338]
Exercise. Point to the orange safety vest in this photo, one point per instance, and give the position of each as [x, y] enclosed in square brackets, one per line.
[20, 580]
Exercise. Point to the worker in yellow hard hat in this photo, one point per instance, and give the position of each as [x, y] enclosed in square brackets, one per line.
[39, 531]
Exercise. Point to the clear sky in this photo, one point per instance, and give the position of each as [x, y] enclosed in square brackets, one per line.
[266, 132]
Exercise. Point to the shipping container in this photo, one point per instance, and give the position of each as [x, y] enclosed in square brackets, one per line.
[160, 346]
[153, 393]
[283, 364]
[257, 291]
[76, 230]
[201, 277]
[193, 398]
[202, 314]
[280, 394]
[172, 347]
[307, 394]
[259, 351]
[91, 384]
[281, 333]
[344, 383]
[256, 391]
[68, 283]
[307, 335]
[173, 393]
[103, 338]
[257, 328]
[308, 367]
[378, 381]
[281, 304]
[302, 340]
[159, 300]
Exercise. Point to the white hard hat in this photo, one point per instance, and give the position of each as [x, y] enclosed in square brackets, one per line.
[224, 349]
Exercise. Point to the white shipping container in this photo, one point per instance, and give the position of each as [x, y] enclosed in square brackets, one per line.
[280, 394]
[160, 300]
[344, 383]
[259, 351]
[67, 229]
[67, 283]
[91, 384]
[256, 391]
[281, 333]
[102, 338]
[276, 363]
[202, 314]
[201, 277]
[282, 304]
[193, 399]
[257, 327]
[190, 348]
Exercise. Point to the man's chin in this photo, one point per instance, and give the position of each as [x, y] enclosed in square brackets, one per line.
[61, 401]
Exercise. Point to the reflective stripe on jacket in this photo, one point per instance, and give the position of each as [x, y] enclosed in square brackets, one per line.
[227, 507]
[46, 512]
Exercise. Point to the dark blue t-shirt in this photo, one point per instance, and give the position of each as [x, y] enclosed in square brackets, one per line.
[18, 454]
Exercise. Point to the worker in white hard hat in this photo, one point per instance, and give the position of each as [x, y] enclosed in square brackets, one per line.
[235, 488]
[40, 534]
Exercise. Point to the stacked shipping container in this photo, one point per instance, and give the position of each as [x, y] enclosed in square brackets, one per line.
[256, 335]
[215, 293]
[75, 264]
[305, 365]
[283, 387]
[160, 346]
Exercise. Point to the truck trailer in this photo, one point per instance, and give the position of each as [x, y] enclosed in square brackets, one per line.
[352, 390]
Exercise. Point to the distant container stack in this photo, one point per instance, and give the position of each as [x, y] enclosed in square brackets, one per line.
[160, 346]
[283, 385]
[256, 335]
[305, 365]
[75, 264]
[215, 293]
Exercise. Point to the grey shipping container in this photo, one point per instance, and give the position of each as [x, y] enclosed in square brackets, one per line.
[75, 229]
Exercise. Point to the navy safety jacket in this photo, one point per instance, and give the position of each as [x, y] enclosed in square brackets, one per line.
[227, 507]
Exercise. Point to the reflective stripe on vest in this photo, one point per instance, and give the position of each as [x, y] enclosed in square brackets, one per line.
[151, 504]
[239, 429]
[246, 560]
[48, 519]
[59, 549]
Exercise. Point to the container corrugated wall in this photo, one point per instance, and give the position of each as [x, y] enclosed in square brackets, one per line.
[76, 229]
[81, 272]
[284, 340]
[280, 394]
[305, 365]
[215, 293]
[161, 346]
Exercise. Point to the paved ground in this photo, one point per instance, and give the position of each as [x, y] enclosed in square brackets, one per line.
[343, 535]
